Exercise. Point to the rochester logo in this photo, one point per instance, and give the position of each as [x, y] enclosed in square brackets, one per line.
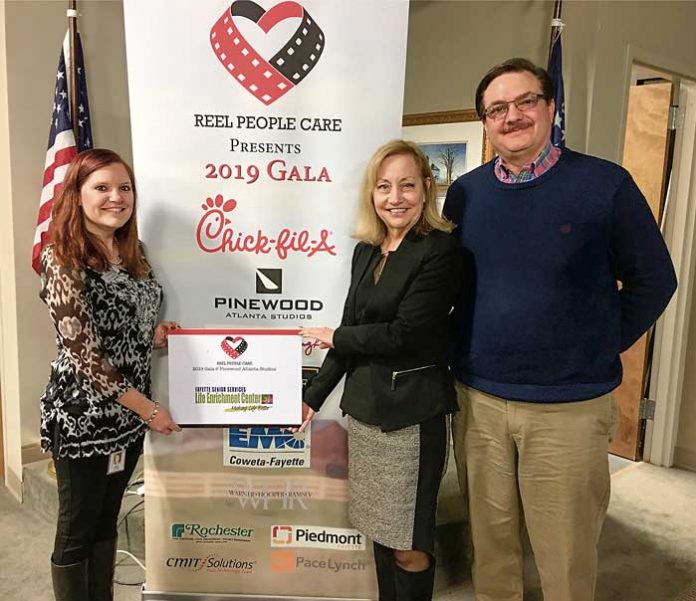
[317, 537]
[211, 534]
[211, 563]
[269, 281]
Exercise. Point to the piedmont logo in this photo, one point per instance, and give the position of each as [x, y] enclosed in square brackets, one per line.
[234, 346]
[267, 80]
[214, 235]
[266, 447]
[211, 563]
[287, 561]
[211, 534]
[269, 281]
[317, 537]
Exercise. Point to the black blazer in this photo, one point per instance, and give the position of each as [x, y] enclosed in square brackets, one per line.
[401, 334]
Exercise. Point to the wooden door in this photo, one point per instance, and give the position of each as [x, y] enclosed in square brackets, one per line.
[645, 157]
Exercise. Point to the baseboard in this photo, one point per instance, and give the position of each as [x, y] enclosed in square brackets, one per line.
[32, 453]
[13, 483]
[685, 458]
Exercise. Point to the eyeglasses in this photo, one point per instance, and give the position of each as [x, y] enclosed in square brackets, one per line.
[523, 103]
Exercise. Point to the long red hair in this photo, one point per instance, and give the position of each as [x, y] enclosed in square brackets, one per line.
[73, 245]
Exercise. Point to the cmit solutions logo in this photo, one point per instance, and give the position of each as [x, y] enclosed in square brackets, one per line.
[211, 563]
[269, 281]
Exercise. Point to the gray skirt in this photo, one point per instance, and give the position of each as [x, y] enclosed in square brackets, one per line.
[394, 481]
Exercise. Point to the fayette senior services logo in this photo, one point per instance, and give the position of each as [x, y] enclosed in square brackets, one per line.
[317, 537]
[267, 79]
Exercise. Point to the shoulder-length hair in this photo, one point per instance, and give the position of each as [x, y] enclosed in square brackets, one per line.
[370, 228]
[73, 245]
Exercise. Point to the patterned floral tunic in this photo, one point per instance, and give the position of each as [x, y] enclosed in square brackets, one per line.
[105, 323]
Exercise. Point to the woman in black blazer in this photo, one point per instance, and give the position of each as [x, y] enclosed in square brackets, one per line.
[405, 275]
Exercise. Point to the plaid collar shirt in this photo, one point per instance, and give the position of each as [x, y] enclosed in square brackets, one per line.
[546, 159]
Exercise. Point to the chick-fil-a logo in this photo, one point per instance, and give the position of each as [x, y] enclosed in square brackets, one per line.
[214, 235]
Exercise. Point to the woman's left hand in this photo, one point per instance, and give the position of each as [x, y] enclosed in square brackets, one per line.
[324, 336]
[162, 332]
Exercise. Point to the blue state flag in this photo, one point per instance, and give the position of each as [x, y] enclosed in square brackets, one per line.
[558, 131]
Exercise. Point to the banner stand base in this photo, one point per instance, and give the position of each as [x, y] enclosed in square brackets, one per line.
[162, 596]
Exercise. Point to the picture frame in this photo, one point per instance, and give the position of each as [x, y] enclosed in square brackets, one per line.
[454, 141]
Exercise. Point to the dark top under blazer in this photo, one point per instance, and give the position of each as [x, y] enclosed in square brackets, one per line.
[403, 327]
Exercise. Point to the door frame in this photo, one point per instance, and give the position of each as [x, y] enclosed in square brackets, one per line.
[672, 339]
[671, 331]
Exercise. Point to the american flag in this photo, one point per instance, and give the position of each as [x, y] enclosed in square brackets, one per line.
[61, 142]
[558, 131]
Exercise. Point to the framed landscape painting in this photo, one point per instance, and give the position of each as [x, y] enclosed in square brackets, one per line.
[453, 141]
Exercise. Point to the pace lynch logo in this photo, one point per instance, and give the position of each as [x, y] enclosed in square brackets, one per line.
[287, 561]
[267, 80]
[214, 234]
[234, 346]
[269, 281]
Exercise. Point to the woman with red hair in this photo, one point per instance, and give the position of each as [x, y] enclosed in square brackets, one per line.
[104, 302]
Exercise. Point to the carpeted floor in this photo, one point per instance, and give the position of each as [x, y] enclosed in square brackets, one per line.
[647, 549]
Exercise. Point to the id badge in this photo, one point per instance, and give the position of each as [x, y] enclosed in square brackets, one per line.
[117, 462]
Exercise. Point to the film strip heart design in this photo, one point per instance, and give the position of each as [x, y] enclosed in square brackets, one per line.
[234, 346]
[269, 79]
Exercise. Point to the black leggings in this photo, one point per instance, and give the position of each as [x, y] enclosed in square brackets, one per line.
[89, 502]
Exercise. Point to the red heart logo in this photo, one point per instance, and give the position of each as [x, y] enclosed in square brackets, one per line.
[269, 79]
[234, 346]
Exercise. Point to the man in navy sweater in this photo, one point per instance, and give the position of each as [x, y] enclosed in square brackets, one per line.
[535, 346]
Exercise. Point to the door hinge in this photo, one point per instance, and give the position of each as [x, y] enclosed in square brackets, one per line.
[675, 119]
[647, 409]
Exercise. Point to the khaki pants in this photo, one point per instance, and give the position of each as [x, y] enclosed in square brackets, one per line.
[543, 465]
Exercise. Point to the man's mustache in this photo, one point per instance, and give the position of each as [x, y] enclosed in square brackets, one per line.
[517, 125]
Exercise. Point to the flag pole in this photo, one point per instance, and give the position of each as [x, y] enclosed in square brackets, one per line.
[556, 24]
[72, 66]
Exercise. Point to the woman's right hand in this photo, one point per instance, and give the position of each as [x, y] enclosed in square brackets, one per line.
[163, 422]
[307, 415]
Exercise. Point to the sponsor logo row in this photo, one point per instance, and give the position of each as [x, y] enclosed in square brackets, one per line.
[281, 535]
[281, 561]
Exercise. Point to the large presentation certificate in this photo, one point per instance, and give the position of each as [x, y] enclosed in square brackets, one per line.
[229, 377]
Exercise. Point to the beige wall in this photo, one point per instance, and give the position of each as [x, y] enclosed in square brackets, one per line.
[34, 32]
[451, 44]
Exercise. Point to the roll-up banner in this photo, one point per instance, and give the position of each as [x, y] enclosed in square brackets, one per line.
[252, 123]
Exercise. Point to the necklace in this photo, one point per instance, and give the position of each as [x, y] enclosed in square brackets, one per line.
[377, 273]
[119, 258]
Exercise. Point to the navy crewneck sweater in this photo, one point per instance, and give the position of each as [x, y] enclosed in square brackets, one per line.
[542, 318]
